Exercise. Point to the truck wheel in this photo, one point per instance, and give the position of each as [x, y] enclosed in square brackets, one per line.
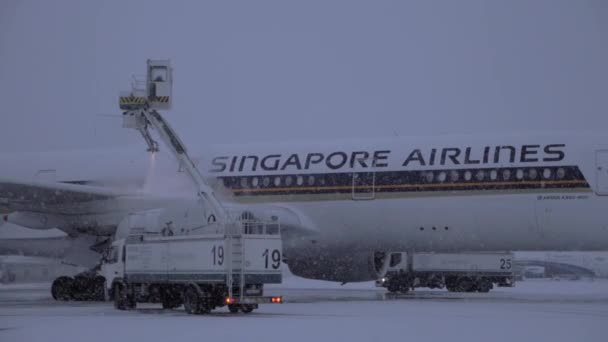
[233, 308]
[484, 286]
[131, 303]
[191, 301]
[171, 303]
[62, 288]
[464, 284]
[169, 299]
[120, 297]
[247, 308]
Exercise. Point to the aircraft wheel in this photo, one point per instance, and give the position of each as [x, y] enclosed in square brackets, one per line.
[62, 288]
[120, 296]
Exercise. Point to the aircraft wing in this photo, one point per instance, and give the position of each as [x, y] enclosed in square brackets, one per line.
[50, 197]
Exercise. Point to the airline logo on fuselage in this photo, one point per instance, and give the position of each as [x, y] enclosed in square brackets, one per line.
[342, 160]
[379, 174]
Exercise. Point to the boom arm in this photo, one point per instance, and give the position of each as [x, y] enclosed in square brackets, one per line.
[140, 113]
[174, 143]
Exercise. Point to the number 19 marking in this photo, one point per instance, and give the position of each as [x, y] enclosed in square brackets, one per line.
[275, 257]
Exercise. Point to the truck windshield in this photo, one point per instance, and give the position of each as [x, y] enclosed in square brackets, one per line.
[395, 259]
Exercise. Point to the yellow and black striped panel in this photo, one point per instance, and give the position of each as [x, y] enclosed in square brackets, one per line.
[161, 99]
[126, 100]
[454, 181]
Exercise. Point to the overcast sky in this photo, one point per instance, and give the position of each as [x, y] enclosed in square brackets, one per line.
[285, 70]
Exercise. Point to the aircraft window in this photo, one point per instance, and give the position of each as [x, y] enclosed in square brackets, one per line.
[506, 174]
[454, 175]
[430, 176]
[244, 182]
[561, 173]
[519, 174]
[311, 180]
[442, 176]
[493, 174]
[532, 173]
[266, 181]
[480, 175]
[299, 180]
[159, 74]
[277, 181]
[467, 175]
[288, 180]
[395, 259]
[422, 175]
[547, 173]
[255, 181]
[226, 182]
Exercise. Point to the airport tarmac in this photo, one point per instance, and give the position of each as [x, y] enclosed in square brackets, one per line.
[540, 310]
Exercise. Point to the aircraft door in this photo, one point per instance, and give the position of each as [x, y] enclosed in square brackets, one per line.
[364, 183]
[601, 172]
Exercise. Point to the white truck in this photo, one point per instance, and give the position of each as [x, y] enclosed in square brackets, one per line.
[225, 261]
[457, 272]
[201, 271]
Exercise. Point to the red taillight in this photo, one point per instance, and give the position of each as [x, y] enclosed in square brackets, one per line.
[229, 300]
[276, 300]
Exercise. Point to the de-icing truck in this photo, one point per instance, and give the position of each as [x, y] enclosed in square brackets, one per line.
[225, 261]
[201, 270]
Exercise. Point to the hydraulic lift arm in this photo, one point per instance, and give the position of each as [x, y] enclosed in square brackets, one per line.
[140, 113]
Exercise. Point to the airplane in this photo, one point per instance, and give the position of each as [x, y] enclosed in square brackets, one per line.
[342, 204]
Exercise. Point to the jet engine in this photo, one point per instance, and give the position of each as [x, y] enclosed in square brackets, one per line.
[342, 266]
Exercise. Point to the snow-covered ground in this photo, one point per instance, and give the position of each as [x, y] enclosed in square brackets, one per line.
[318, 311]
